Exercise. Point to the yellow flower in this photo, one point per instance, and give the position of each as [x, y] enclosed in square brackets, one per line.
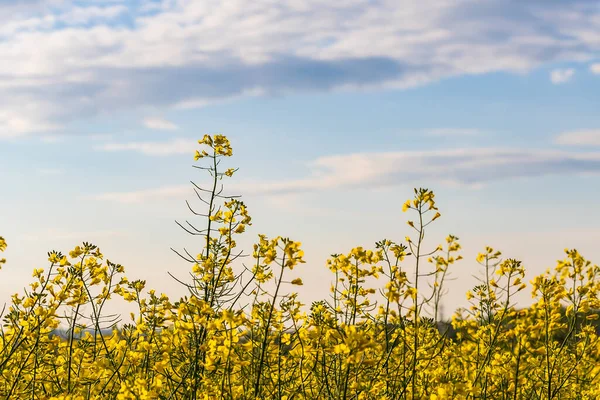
[406, 206]
[230, 172]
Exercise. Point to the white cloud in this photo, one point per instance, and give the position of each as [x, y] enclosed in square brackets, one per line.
[559, 76]
[199, 102]
[588, 137]
[74, 61]
[595, 68]
[159, 124]
[176, 146]
[464, 167]
[472, 168]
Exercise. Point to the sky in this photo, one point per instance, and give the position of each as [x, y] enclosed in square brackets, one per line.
[335, 111]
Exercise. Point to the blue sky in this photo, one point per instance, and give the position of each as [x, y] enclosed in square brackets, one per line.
[335, 111]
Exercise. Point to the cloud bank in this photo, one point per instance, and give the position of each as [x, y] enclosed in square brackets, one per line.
[463, 167]
[64, 60]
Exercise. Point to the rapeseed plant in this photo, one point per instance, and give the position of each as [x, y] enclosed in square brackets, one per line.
[352, 345]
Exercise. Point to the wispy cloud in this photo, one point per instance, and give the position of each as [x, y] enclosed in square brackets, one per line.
[463, 167]
[159, 124]
[559, 76]
[200, 102]
[166, 148]
[62, 60]
[595, 68]
[588, 137]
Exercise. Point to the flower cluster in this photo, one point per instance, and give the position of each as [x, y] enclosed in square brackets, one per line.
[2, 248]
[241, 331]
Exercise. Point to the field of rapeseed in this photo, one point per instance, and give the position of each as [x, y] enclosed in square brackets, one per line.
[212, 344]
